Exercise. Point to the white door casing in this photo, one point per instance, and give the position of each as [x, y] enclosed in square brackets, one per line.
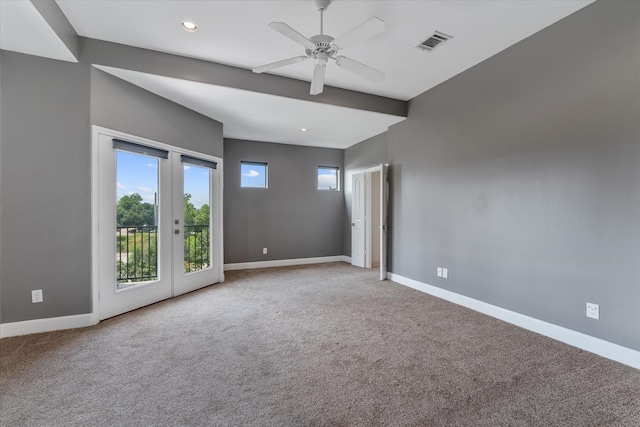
[373, 205]
[358, 220]
[108, 301]
[384, 213]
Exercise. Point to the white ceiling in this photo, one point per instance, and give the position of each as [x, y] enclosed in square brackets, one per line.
[23, 29]
[251, 116]
[236, 33]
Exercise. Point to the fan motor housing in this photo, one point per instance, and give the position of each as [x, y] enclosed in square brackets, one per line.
[323, 45]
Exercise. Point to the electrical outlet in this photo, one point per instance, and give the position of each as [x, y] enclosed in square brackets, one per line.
[36, 296]
[445, 273]
[593, 311]
[264, 251]
[439, 271]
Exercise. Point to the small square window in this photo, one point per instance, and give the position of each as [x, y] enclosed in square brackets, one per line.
[328, 178]
[253, 175]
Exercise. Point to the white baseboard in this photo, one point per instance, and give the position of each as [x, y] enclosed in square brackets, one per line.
[45, 325]
[595, 345]
[286, 262]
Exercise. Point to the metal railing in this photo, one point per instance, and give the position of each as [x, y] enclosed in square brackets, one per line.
[196, 247]
[136, 253]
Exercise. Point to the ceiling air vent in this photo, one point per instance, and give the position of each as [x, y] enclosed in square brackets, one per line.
[433, 41]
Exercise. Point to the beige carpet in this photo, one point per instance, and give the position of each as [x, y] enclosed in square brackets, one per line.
[316, 345]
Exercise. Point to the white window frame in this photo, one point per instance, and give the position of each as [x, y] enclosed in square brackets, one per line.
[337, 169]
[266, 173]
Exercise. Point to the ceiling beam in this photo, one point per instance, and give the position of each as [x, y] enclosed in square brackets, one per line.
[99, 52]
[60, 25]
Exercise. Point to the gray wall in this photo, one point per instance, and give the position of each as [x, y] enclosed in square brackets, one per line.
[522, 176]
[120, 105]
[292, 218]
[368, 153]
[46, 187]
[47, 108]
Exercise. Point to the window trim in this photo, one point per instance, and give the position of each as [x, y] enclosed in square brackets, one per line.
[337, 169]
[266, 173]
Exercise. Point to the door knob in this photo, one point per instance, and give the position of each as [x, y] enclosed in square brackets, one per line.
[353, 224]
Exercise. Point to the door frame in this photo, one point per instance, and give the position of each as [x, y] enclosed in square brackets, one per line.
[368, 209]
[217, 221]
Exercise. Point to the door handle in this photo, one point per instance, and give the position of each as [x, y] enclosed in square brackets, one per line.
[353, 224]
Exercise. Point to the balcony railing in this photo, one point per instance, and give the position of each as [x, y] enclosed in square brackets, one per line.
[137, 252]
[196, 247]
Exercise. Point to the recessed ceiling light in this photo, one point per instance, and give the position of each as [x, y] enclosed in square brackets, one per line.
[303, 130]
[189, 26]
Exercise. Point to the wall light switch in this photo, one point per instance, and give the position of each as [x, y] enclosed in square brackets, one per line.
[264, 251]
[439, 271]
[445, 273]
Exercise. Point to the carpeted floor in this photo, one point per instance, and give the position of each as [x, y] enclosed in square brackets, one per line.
[327, 344]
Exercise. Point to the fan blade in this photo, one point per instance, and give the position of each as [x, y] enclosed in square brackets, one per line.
[289, 32]
[363, 31]
[317, 82]
[360, 69]
[274, 65]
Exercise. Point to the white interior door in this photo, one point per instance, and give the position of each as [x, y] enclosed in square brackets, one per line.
[384, 207]
[358, 220]
[143, 254]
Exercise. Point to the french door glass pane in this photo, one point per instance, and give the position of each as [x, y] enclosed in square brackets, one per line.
[197, 224]
[136, 219]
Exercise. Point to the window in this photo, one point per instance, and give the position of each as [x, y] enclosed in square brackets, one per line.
[253, 175]
[328, 178]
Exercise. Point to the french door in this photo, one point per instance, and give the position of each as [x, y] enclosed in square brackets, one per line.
[157, 222]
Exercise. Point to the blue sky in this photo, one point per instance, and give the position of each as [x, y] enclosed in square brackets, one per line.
[136, 173]
[196, 183]
[327, 179]
[253, 175]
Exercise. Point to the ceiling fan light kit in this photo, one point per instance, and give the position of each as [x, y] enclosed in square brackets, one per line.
[321, 48]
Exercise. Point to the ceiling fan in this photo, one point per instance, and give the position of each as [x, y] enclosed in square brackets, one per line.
[322, 48]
